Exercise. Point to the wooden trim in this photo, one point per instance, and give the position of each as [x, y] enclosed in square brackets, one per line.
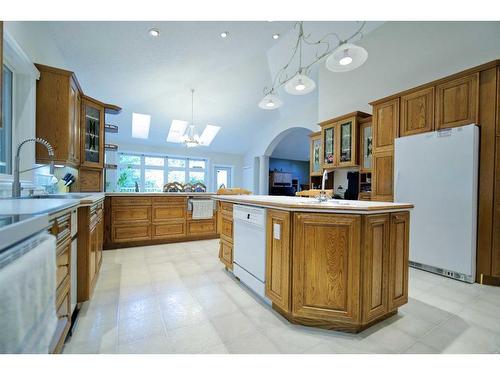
[109, 108]
[315, 134]
[436, 82]
[60, 71]
[343, 117]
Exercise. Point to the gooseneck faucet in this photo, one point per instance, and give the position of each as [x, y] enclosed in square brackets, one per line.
[322, 197]
[16, 185]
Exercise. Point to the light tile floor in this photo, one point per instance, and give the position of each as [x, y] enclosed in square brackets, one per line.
[177, 298]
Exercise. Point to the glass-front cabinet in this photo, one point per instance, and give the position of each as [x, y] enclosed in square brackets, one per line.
[315, 162]
[92, 154]
[329, 145]
[347, 142]
[365, 146]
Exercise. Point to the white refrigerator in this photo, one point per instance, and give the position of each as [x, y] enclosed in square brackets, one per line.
[438, 173]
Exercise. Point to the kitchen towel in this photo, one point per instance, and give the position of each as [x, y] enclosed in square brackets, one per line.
[28, 317]
[202, 209]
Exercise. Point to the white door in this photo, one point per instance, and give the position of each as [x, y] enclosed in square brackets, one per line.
[222, 177]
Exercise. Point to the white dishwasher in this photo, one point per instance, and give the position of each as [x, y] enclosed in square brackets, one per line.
[249, 252]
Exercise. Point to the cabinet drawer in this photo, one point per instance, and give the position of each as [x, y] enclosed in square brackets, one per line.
[200, 227]
[126, 215]
[226, 253]
[130, 201]
[63, 262]
[61, 228]
[226, 229]
[226, 208]
[130, 233]
[165, 213]
[171, 230]
[158, 201]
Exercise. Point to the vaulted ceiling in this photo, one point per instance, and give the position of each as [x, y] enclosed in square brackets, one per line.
[120, 63]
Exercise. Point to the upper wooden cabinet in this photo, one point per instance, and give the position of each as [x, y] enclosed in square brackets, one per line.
[365, 147]
[382, 176]
[340, 141]
[385, 124]
[315, 167]
[417, 112]
[58, 115]
[457, 102]
[92, 133]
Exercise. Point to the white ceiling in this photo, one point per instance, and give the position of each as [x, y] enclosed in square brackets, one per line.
[294, 146]
[119, 63]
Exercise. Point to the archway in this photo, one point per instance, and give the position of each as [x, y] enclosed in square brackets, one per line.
[287, 155]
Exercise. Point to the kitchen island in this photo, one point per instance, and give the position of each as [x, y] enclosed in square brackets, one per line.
[339, 265]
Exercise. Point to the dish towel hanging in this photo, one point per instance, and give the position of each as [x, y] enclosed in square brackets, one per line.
[202, 209]
[28, 317]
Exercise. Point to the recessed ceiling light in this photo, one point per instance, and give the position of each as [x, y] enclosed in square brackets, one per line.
[224, 34]
[154, 33]
[276, 36]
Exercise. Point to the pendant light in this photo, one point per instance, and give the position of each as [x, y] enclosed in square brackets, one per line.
[346, 57]
[270, 101]
[191, 137]
[300, 85]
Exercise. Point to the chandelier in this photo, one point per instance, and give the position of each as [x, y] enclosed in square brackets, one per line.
[343, 56]
[191, 137]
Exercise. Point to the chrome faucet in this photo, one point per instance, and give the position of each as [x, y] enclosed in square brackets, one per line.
[16, 185]
[322, 197]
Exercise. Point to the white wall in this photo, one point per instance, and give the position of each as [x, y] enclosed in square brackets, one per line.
[214, 158]
[402, 55]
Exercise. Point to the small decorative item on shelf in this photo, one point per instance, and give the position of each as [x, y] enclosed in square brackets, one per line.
[110, 166]
[108, 128]
[111, 147]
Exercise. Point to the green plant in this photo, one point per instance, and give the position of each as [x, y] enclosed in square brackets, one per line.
[124, 177]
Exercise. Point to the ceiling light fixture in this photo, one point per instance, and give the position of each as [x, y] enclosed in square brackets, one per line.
[191, 137]
[342, 57]
[154, 33]
[346, 57]
[224, 34]
[140, 125]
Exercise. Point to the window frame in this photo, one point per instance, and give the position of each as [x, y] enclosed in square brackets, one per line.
[165, 168]
[13, 134]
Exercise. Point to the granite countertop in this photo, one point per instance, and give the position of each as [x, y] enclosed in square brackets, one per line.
[312, 205]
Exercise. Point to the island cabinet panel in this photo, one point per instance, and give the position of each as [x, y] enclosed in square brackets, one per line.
[385, 125]
[417, 112]
[382, 176]
[226, 230]
[226, 253]
[457, 102]
[130, 233]
[225, 225]
[169, 230]
[326, 261]
[278, 262]
[130, 215]
[375, 266]
[168, 213]
[398, 262]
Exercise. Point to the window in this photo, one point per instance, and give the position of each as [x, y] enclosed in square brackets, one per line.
[151, 172]
[6, 125]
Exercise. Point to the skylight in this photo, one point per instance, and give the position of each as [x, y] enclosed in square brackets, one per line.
[140, 125]
[177, 130]
[209, 134]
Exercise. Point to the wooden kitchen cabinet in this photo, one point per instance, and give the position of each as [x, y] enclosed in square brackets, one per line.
[398, 261]
[326, 273]
[340, 140]
[417, 112]
[90, 245]
[375, 269]
[90, 179]
[92, 133]
[382, 176]
[457, 102]
[226, 234]
[385, 125]
[58, 105]
[315, 164]
[365, 147]
[278, 258]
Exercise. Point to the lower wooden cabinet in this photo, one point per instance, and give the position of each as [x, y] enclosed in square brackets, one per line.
[382, 176]
[399, 252]
[169, 230]
[375, 267]
[130, 233]
[326, 267]
[278, 258]
[90, 245]
[225, 224]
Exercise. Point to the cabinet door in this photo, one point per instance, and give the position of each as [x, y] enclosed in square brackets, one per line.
[326, 263]
[74, 124]
[457, 102]
[98, 250]
[329, 146]
[226, 253]
[226, 227]
[385, 125]
[92, 143]
[278, 262]
[417, 112]
[315, 157]
[375, 266]
[365, 147]
[382, 176]
[398, 271]
[92, 254]
[347, 145]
